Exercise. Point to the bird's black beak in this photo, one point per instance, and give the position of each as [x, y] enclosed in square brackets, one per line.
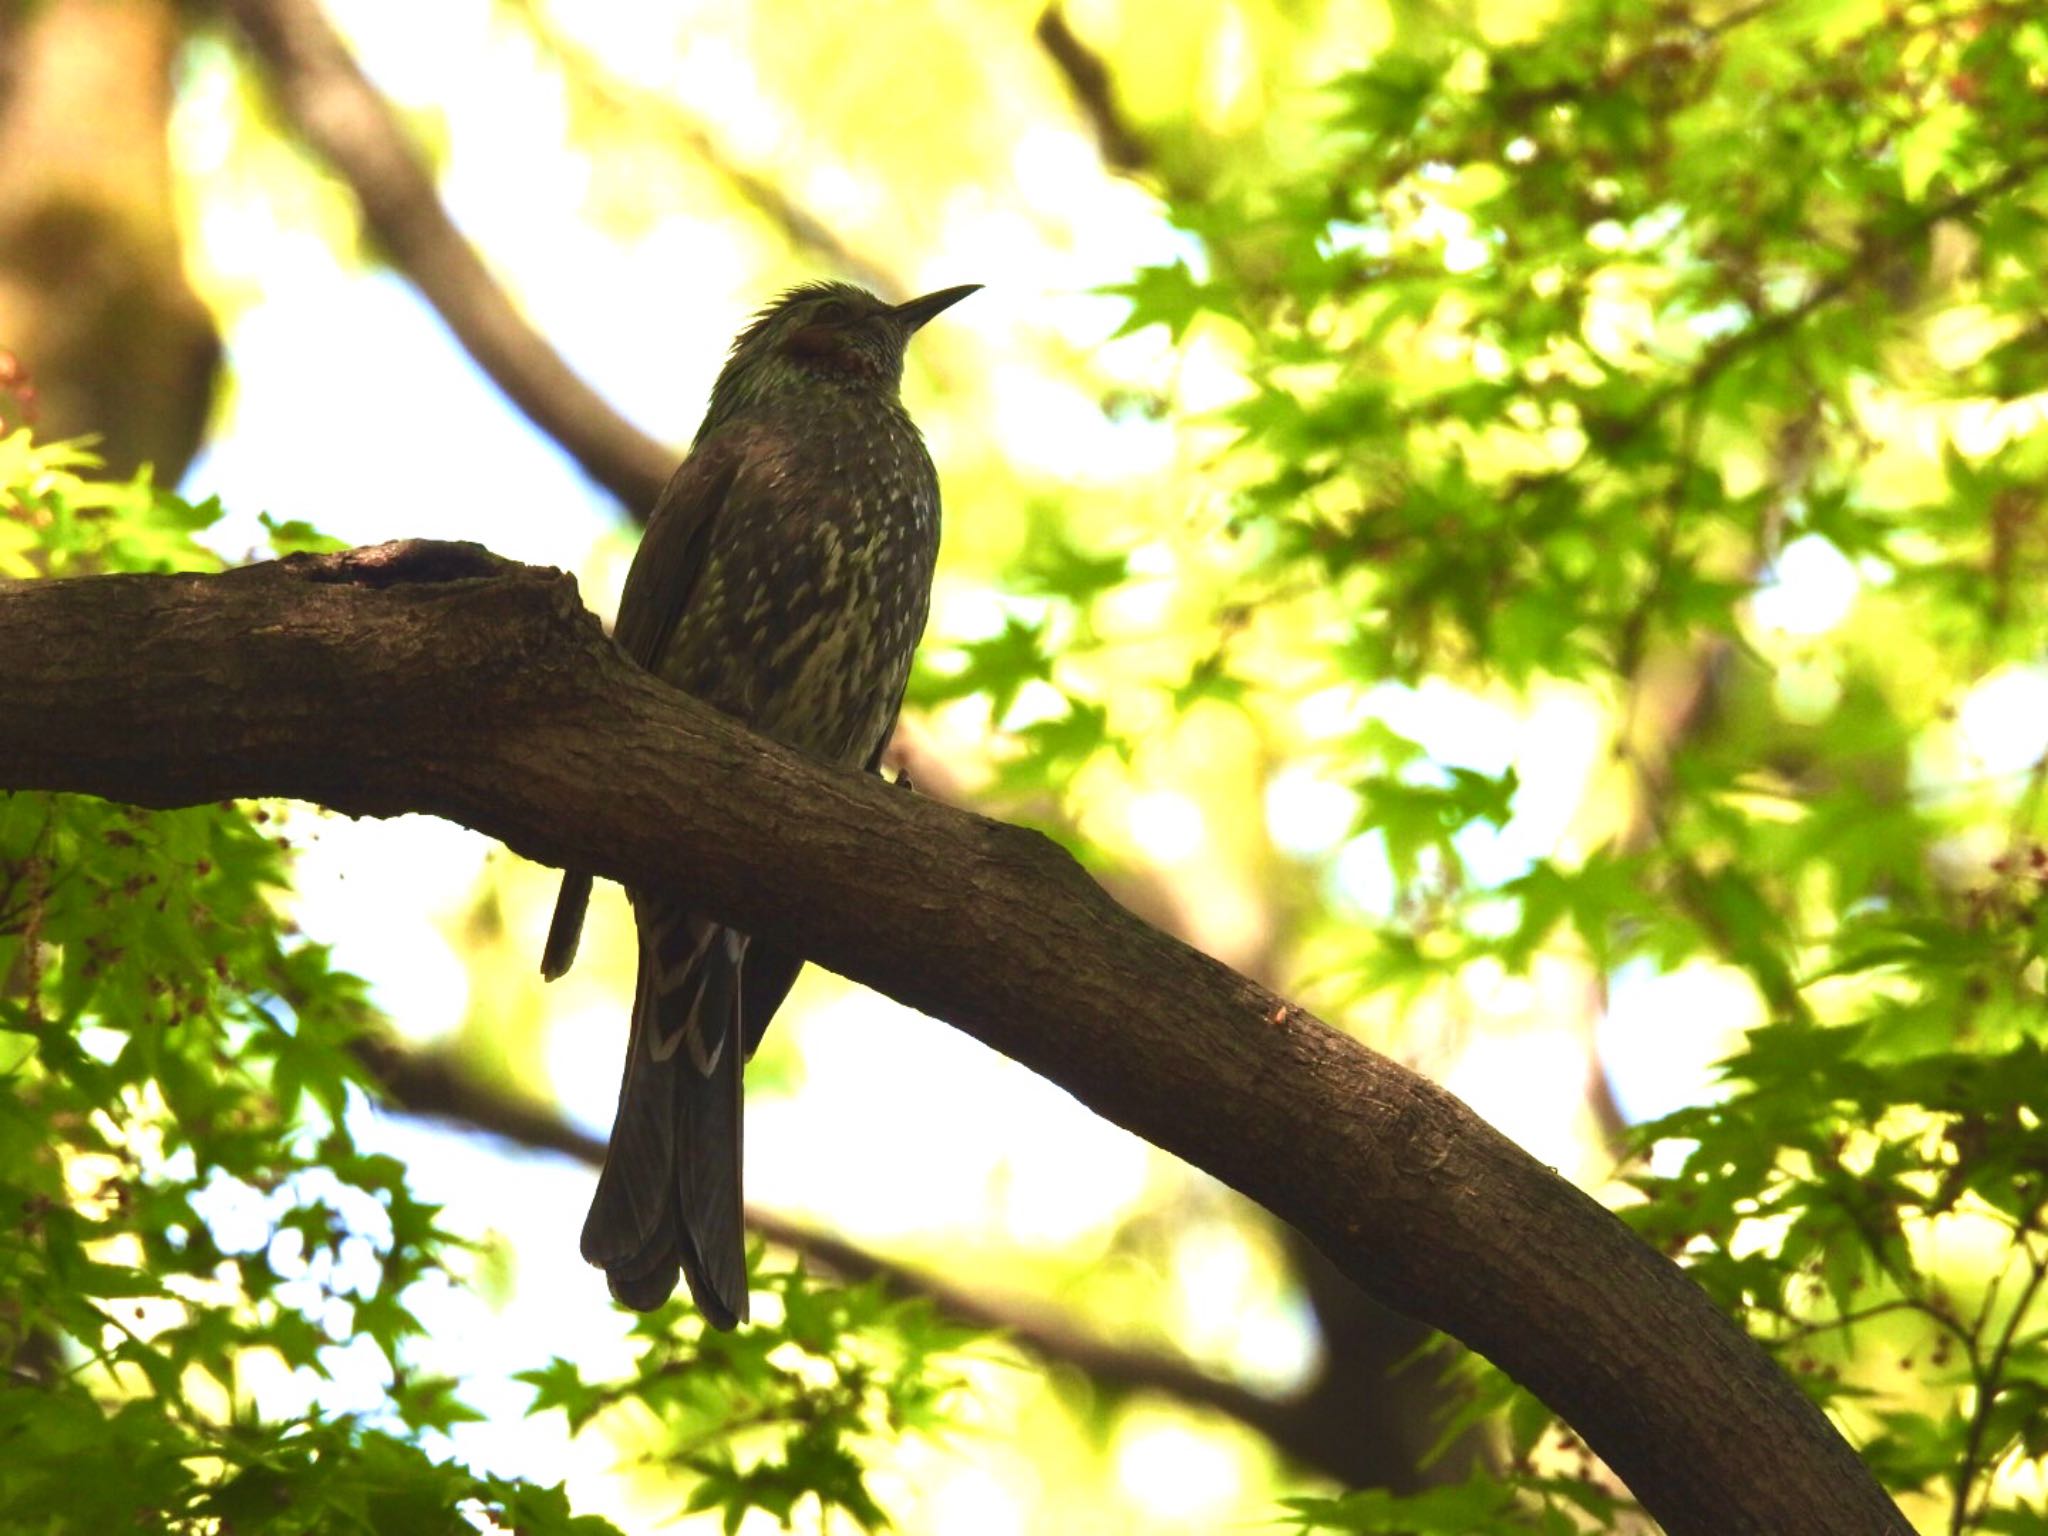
[915, 313]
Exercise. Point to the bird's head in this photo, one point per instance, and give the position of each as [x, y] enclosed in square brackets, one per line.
[832, 332]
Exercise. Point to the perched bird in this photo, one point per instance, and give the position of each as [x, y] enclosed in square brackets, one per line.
[784, 578]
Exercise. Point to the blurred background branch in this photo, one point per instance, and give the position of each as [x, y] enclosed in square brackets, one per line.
[342, 119]
[1088, 82]
[1306, 1428]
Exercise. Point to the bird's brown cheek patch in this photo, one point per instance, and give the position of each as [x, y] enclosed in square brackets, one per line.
[827, 344]
[812, 341]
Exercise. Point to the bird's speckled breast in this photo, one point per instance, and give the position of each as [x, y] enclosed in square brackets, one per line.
[817, 583]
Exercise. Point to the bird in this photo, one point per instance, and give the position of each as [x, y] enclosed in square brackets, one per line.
[784, 578]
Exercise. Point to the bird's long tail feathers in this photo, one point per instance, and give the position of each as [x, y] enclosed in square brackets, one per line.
[567, 927]
[669, 1198]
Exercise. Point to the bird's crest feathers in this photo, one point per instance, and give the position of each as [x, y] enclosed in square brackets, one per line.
[822, 335]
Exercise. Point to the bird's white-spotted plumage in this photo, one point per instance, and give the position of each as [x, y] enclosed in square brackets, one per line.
[785, 578]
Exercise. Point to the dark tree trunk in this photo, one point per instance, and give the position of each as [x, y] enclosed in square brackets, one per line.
[94, 302]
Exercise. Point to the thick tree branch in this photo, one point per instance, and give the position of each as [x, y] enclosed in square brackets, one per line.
[340, 115]
[436, 678]
[1371, 1416]
[1368, 1419]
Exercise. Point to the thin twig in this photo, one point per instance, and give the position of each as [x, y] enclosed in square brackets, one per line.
[1986, 1379]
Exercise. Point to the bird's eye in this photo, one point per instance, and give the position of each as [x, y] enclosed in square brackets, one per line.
[832, 312]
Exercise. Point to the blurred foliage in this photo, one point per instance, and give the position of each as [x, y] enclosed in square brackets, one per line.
[194, 1234]
[1552, 356]
[806, 1400]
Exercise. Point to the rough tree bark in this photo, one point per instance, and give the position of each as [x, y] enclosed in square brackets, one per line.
[436, 678]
